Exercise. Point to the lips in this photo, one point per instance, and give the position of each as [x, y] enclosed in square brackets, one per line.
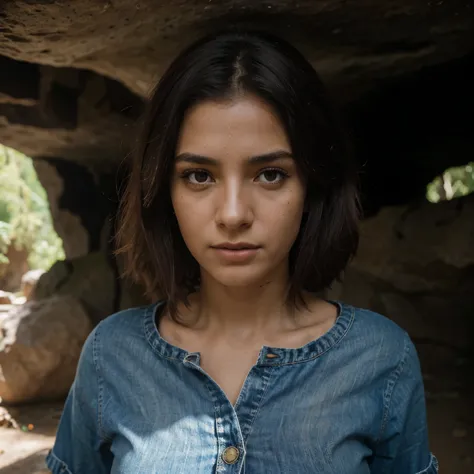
[236, 246]
[236, 253]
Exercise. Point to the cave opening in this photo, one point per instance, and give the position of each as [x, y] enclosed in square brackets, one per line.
[453, 183]
[29, 244]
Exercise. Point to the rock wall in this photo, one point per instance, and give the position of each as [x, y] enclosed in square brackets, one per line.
[74, 74]
[416, 265]
[132, 41]
[81, 203]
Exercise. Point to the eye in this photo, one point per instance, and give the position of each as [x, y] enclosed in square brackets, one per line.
[197, 177]
[272, 176]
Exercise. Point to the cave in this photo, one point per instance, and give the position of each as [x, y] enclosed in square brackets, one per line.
[75, 77]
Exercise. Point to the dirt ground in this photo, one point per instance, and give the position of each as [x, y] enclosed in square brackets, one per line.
[24, 452]
[449, 393]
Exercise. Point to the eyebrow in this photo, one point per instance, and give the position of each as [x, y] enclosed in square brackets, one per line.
[258, 159]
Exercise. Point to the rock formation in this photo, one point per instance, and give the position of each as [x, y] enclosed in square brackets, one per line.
[40, 343]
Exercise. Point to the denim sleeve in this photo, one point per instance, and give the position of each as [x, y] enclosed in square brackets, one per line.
[403, 445]
[80, 446]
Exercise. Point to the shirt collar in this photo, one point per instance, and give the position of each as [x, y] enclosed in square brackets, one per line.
[269, 356]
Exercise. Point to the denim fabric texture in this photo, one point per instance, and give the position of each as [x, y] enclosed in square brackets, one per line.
[349, 402]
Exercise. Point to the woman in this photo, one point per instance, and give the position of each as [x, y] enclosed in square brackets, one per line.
[240, 208]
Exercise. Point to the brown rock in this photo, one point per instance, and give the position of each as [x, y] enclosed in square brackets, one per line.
[40, 345]
[420, 248]
[90, 279]
[415, 265]
[459, 433]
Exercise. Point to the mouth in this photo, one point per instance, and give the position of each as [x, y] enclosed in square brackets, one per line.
[238, 246]
[236, 253]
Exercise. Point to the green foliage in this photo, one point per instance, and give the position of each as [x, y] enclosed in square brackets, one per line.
[453, 183]
[25, 218]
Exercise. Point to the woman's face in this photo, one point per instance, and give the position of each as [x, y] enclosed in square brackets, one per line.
[236, 191]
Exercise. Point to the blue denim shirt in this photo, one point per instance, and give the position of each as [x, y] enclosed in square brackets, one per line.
[350, 402]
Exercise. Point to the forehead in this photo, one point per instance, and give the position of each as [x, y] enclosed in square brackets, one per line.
[246, 125]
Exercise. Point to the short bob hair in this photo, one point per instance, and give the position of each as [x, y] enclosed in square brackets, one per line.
[224, 67]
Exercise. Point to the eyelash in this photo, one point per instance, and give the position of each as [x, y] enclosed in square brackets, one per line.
[185, 175]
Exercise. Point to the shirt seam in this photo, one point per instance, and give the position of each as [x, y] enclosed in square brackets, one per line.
[432, 465]
[149, 334]
[56, 464]
[100, 395]
[389, 389]
[319, 354]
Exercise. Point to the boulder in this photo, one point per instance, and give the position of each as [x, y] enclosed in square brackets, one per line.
[416, 265]
[91, 279]
[28, 281]
[422, 247]
[40, 344]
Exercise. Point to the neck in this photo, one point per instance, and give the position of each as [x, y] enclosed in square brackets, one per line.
[249, 309]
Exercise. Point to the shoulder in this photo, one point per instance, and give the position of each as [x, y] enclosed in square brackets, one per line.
[126, 321]
[375, 328]
[378, 340]
[125, 328]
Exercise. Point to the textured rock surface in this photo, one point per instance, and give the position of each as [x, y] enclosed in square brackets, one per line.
[74, 73]
[420, 248]
[416, 265]
[91, 279]
[80, 205]
[40, 345]
[132, 41]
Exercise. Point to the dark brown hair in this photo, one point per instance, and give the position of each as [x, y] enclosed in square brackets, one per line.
[221, 67]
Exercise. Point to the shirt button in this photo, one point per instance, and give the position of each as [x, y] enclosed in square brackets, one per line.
[230, 455]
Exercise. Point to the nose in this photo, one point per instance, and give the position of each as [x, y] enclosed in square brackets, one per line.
[234, 209]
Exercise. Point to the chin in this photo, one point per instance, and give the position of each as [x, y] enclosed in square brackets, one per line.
[239, 276]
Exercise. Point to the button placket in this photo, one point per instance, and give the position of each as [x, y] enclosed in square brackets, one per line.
[229, 435]
[231, 450]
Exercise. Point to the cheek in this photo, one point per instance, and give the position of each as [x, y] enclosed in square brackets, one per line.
[190, 216]
[180, 208]
[286, 223]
